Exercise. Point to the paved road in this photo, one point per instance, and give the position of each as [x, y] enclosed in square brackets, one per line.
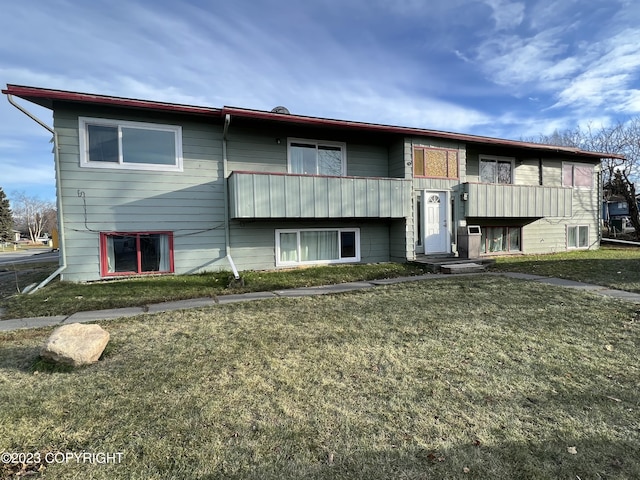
[34, 255]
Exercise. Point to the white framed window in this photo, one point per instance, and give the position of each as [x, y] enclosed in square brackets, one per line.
[312, 246]
[496, 169]
[312, 157]
[577, 236]
[579, 175]
[500, 240]
[106, 143]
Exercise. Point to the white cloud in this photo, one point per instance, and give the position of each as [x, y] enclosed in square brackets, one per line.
[398, 108]
[506, 14]
[512, 61]
[608, 80]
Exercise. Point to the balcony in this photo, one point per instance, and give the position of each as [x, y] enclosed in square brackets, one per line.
[516, 201]
[273, 195]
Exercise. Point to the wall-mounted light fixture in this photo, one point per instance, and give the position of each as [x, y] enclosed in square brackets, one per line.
[464, 196]
[278, 141]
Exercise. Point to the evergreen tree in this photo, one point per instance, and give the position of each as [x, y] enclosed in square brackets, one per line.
[6, 218]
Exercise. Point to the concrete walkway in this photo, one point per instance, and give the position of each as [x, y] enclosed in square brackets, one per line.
[95, 315]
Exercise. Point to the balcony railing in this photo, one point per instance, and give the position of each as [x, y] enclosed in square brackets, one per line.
[522, 201]
[273, 195]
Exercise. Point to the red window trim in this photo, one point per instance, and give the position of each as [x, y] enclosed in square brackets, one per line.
[104, 264]
[448, 150]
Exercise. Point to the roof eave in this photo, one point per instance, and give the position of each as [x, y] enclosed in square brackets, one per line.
[46, 97]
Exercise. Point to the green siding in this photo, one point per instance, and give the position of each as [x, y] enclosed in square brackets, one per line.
[253, 244]
[367, 160]
[397, 163]
[256, 151]
[259, 195]
[524, 201]
[398, 248]
[527, 171]
[252, 150]
[189, 203]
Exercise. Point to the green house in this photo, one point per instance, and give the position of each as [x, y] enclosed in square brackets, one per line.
[151, 187]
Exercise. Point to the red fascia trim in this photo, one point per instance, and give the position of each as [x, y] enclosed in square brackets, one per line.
[29, 93]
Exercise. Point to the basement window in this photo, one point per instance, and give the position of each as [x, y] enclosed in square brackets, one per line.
[136, 253]
[317, 246]
[501, 240]
[577, 236]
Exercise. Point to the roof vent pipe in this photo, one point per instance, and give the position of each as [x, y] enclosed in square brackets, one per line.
[281, 109]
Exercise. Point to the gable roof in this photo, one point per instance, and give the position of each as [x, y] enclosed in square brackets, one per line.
[47, 97]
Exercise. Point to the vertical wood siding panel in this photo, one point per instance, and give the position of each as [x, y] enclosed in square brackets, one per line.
[384, 205]
[348, 197]
[373, 197]
[307, 197]
[247, 199]
[396, 202]
[501, 202]
[360, 200]
[262, 206]
[321, 197]
[277, 196]
[515, 204]
[233, 203]
[292, 196]
[336, 201]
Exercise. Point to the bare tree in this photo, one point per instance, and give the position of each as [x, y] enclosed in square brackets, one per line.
[32, 214]
[618, 175]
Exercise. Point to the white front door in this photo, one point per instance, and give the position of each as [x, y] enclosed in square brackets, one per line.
[436, 228]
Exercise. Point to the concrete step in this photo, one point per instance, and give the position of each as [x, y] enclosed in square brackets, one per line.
[468, 267]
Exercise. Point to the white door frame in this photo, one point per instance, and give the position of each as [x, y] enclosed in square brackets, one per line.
[447, 220]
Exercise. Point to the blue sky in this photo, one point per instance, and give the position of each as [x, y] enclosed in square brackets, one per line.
[511, 69]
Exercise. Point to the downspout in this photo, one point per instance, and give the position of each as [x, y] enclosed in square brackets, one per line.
[56, 161]
[227, 235]
[600, 200]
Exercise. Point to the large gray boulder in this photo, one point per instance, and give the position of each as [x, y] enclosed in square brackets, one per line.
[76, 344]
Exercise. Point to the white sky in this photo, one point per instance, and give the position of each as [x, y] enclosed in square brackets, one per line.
[511, 69]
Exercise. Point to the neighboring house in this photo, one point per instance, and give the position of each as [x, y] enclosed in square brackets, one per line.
[152, 187]
[616, 207]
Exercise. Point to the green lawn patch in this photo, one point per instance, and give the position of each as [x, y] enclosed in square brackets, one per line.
[617, 268]
[476, 377]
[63, 298]
[15, 277]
